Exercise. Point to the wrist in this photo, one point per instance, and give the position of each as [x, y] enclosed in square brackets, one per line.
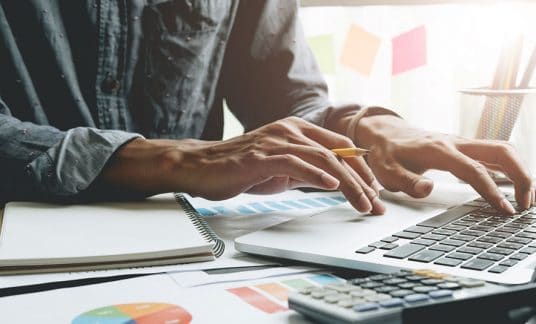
[373, 129]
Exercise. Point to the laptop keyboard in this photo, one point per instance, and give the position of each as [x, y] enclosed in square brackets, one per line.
[472, 236]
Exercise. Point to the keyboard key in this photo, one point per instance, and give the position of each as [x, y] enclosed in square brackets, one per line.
[509, 263]
[502, 251]
[472, 233]
[489, 239]
[416, 298]
[502, 235]
[524, 234]
[424, 242]
[469, 249]
[407, 235]
[426, 256]
[365, 307]
[443, 232]
[448, 216]
[365, 250]
[509, 229]
[528, 250]
[452, 242]
[440, 294]
[510, 245]
[491, 256]
[481, 228]
[498, 269]
[389, 239]
[519, 256]
[448, 262]
[461, 237]
[459, 255]
[435, 237]
[477, 264]
[461, 224]
[480, 245]
[444, 248]
[389, 246]
[404, 251]
[377, 245]
[519, 240]
[418, 229]
[454, 227]
[391, 303]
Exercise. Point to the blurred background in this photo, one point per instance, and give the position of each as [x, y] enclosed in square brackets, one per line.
[415, 56]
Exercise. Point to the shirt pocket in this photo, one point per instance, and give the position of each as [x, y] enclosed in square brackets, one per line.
[180, 37]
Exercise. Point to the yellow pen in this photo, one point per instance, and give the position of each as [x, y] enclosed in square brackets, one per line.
[350, 152]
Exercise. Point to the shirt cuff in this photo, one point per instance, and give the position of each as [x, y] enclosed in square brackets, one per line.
[72, 164]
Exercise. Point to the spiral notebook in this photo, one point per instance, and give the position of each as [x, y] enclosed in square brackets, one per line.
[161, 230]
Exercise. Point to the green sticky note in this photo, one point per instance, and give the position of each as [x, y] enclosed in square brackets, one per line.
[324, 51]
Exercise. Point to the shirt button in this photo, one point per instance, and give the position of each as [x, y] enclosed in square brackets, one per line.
[110, 85]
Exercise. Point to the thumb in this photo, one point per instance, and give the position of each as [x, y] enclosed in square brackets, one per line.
[398, 178]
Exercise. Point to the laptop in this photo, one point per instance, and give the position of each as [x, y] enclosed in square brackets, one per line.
[467, 238]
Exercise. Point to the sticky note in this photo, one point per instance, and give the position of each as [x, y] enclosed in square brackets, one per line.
[324, 51]
[360, 49]
[409, 50]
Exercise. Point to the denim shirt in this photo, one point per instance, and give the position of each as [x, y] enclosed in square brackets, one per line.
[81, 78]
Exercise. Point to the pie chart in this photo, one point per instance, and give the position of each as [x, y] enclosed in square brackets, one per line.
[138, 313]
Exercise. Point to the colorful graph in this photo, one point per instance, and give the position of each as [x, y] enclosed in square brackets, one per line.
[271, 206]
[271, 297]
[139, 313]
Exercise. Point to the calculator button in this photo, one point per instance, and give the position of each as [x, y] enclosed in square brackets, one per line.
[415, 278]
[404, 251]
[432, 282]
[362, 293]
[477, 264]
[366, 307]
[393, 302]
[498, 269]
[407, 285]
[359, 281]
[386, 289]
[448, 262]
[394, 281]
[416, 298]
[401, 293]
[377, 298]
[449, 285]
[424, 289]
[323, 293]
[380, 277]
[440, 294]
[371, 285]
[426, 256]
[332, 299]
[347, 303]
[342, 288]
[471, 283]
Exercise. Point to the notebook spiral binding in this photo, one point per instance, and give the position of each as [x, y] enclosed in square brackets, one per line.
[201, 225]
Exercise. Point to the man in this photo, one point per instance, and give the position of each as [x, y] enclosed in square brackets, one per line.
[109, 99]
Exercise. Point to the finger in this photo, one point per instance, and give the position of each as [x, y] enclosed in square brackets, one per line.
[378, 208]
[472, 172]
[291, 166]
[364, 171]
[327, 161]
[397, 178]
[504, 155]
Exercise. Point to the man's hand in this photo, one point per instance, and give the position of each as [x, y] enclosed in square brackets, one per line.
[286, 154]
[400, 154]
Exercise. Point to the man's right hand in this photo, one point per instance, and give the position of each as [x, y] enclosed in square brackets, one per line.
[286, 154]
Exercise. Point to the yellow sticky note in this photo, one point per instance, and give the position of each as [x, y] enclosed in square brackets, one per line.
[322, 47]
[360, 49]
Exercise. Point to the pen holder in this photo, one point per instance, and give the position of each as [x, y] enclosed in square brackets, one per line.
[508, 115]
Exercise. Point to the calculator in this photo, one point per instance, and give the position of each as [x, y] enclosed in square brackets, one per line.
[404, 295]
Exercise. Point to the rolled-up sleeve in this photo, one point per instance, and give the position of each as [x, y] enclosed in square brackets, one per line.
[42, 162]
[270, 72]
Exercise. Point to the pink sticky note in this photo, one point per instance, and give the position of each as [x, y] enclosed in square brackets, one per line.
[360, 49]
[409, 50]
